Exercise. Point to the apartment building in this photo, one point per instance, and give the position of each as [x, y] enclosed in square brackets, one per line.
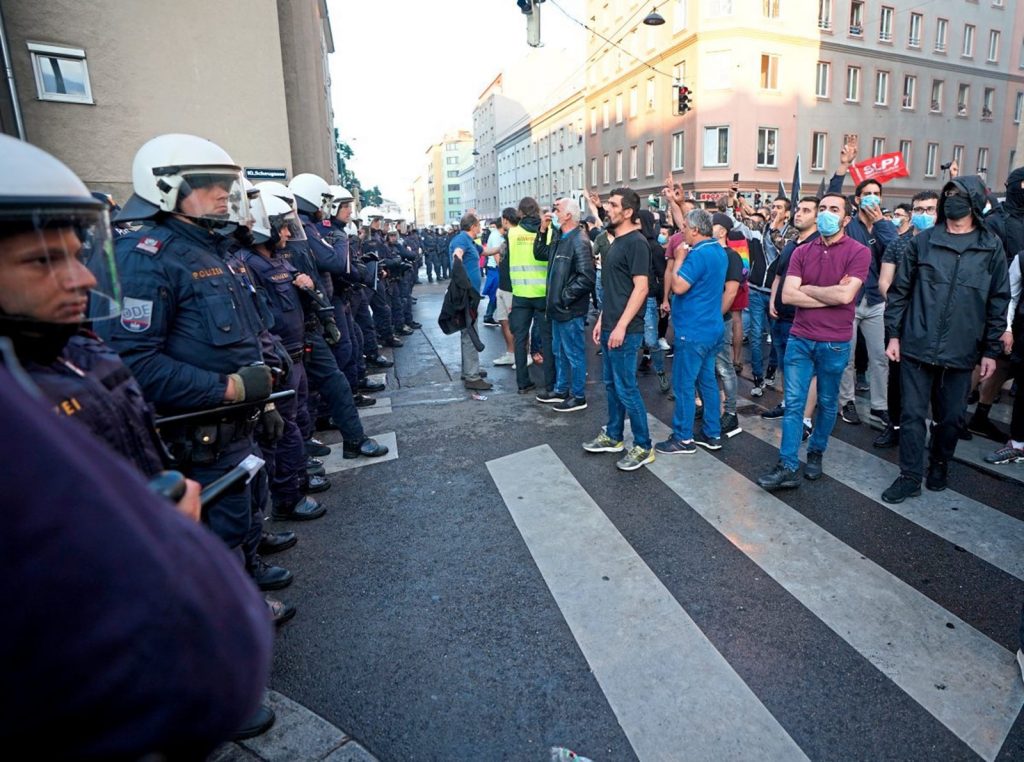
[91, 82]
[773, 79]
[445, 161]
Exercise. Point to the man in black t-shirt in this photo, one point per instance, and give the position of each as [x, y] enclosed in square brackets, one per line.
[620, 330]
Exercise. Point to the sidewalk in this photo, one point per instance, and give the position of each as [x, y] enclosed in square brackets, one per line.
[298, 735]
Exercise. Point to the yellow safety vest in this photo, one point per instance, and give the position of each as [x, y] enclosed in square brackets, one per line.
[529, 275]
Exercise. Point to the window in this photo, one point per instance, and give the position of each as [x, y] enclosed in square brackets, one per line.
[857, 18]
[767, 140]
[885, 25]
[454, 187]
[61, 73]
[909, 91]
[451, 147]
[881, 88]
[821, 80]
[825, 15]
[719, 8]
[679, 16]
[853, 83]
[451, 160]
[931, 159]
[650, 93]
[968, 51]
[618, 109]
[604, 170]
[941, 28]
[605, 114]
[769, 72]
[618, 166]
[818, 150]
[634, 162]
[936, 105]
[634, 99]
[982, 160]
[958, 156]
[593, 121]
[716, 146]
[993, 46]
[963, 97]
[594, 179]
[771, 8]
[451, 173]
[914, 36]
[905, 146]
[650, 159]
[453, 200]
[988, 103]
[877, 146]
[677, 152]
[1018, 108]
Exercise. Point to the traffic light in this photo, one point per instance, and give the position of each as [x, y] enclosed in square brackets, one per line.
[684, 99]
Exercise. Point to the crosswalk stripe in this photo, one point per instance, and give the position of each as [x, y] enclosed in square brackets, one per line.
[336, 461]
[670, 689]
[383, 407]
[987, 533]
[965, 680]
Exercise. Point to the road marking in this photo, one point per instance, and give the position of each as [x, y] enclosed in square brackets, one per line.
[336, 461]
[378, 378]
[668, 686]
[987, 533]
[383, 407]
[965, 680]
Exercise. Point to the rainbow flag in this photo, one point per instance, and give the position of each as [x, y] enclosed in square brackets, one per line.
[738, 242]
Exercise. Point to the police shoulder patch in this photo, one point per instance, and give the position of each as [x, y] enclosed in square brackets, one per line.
[149, 244]
[136, 314]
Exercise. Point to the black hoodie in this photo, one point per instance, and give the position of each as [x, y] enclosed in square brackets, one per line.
[656, 276]
[1007, 221]
[947, 304]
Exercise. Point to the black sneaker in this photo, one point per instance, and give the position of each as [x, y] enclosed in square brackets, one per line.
[983, 427]
[571, 404]
[552, 397]
[708, 443]
[527, 389]
[849, 414]
[879, 416]
[491, 322]
[937, 476]
[730, 425]
[901, 489]
[807, 432]
[777, 412]
[812, 471]
[414, 324]
[888, 438]
[316, 447]
[779, 477]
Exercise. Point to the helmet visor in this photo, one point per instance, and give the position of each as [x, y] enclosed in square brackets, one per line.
[57, 264]
[215, 196]
[288, 224]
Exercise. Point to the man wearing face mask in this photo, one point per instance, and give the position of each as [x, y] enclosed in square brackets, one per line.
[923, 209]
[946, 310]
[824, 277]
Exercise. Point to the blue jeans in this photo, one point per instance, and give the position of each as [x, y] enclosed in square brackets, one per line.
[491, 292]
[694, 364]
[570, 356]
[780, 340]
[651, 335]
[759, 320]
[806, 359]
[599, 290]
[618, 370]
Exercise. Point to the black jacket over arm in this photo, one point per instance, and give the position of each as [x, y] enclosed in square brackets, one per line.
[461, 301]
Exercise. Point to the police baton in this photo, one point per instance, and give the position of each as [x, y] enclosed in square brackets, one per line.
[243, 473]
[275, 397]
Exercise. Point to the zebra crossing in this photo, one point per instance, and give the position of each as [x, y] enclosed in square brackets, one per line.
[671, 684]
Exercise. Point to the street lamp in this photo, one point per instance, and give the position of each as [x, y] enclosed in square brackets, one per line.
[654, 18]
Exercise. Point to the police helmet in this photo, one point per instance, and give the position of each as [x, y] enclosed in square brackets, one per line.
[190, 176]
[271, 215]
[46, 211]
[312, 193]
[341, 196]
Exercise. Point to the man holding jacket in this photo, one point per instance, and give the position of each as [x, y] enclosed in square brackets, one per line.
[571, 277]
[946, 307]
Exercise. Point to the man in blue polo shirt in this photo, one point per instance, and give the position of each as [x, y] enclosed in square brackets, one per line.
[697, 285]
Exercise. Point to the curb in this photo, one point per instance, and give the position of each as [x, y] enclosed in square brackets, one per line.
[297, 734]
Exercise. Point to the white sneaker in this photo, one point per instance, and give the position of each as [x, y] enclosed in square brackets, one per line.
[506, 359]
[529, 362]
[662, 344]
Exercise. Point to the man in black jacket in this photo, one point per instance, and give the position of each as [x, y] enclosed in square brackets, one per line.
[571, 277]
[946, 307]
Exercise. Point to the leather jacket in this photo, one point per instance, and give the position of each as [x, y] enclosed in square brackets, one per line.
[571, 273]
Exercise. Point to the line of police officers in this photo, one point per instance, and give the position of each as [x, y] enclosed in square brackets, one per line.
[215, 295]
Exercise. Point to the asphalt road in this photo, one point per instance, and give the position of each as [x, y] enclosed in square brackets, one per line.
[428, 630]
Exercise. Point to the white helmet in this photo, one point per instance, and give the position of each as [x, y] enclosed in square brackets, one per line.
[275, 215]
[41, 197]
[341, 196]
[168, 169]
[280, 190]
[351, 229]
[370, 213]
[312, 193]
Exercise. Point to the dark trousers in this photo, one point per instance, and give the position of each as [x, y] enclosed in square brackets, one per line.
[1017, 419]
[364, 319]
[405, 288]
[325, 378]
[381, 306]
[344, 350]
[302, 416]
[394, 290]
[286, 458]
[894, 395]
[230, 518]
[946, 390]
[259, 491]
[444, 261]
[524, 312]
[432, 267]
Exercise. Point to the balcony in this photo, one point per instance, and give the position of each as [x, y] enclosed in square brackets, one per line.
[825, 24]
[856, 30]
[884, 36]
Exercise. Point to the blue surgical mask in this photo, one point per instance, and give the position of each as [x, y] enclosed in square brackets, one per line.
[922, 221]
[870, 199]
[828, 223]
[662, 239]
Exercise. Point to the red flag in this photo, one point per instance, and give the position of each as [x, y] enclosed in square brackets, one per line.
[880, 168]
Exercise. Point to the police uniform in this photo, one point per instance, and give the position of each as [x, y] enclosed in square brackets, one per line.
[377, 249]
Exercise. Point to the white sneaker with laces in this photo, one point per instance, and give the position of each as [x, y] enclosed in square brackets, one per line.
[506, 359]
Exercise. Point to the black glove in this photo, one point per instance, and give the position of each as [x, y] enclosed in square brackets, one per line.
[253, 382]
[272, 424]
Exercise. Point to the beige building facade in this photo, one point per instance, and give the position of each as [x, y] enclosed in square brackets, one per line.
[93, 81]
[774, 79]
[445, 161]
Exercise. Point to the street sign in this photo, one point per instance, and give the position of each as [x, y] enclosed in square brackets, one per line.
[263, 173]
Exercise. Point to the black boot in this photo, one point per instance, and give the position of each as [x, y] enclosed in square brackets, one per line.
[938, 475]
[890, 437]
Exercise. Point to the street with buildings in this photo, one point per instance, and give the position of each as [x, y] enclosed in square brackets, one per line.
[481, 582]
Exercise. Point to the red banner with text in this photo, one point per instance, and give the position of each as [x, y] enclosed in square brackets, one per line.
[882, 168]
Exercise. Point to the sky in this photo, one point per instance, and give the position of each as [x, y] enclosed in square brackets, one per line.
[406, 71]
